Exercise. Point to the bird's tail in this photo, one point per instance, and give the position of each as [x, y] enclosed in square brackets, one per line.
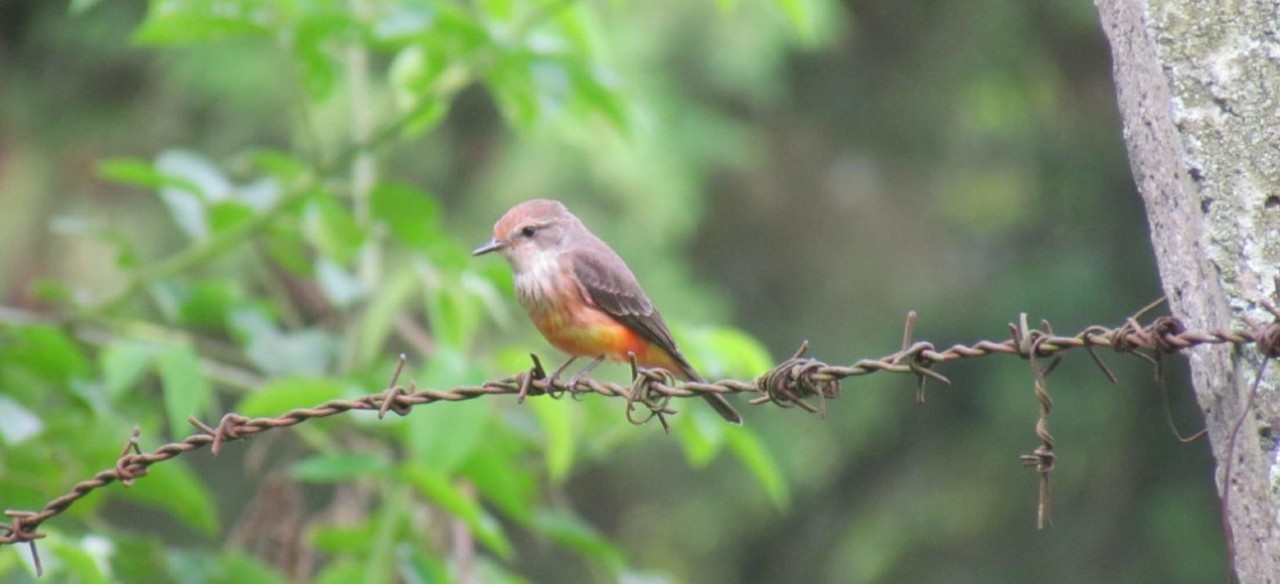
[722, 407]
[715, 400]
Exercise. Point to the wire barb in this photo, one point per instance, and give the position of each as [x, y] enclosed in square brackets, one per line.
[391, 397]
[230, 427]
[1269, 335]
[644, 390]
[1043, 458]
[126, 469]
[537, 372]
[795, 379]
[22, 528]
[920, 365]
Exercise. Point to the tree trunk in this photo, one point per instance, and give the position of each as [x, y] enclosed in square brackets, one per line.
[1198, 83]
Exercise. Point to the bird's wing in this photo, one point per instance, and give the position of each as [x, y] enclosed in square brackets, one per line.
[617, 293]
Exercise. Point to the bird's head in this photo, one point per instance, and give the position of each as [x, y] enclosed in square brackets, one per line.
[534, 230]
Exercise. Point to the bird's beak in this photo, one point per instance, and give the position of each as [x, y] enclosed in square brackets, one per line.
[491, 245]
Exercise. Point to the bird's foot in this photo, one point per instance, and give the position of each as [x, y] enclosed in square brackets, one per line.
[573, 381]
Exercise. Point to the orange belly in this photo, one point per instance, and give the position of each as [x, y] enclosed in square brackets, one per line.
[570, 324]
[588, 332]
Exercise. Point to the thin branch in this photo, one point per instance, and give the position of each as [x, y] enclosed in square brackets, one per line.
[201, 252]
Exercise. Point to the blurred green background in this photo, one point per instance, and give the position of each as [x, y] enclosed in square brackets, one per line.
[236, 205]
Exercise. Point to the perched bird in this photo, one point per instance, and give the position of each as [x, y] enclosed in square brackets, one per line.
[582, 297]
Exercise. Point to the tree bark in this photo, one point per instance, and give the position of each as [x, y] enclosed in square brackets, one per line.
[1198, 84]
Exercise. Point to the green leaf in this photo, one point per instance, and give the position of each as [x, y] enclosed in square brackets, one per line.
[529, 84]
[458, 31]
[570, 531]
[205, 304]
[123, 364]
[380, 559]
[454, 315]
[492, 572]
[511, 81]
[499, 474]
[443, 435]
[287, 248]
[701, 434]
[724, 351]
[753, 454]
[132, 171]
[342, 571]
[346, 538]
[193, 21]
[500, 10]
[197, 182]
[49, 353]
[414, 76]
[427, 113]
[440, 490]
[202, 567]
[235, 567]
[576, 25]
[801, 16]
[89, 394]
[317, 68]
[305, 352]
[172, 487]
[282, 165]
[186, 390]
[51, 291]
[147, 559]
[556, 418]
[78, 559]
[591, 90]
[340, 467]
[420, 568]
[483, 289]
[332, 229]
[225, 215]
[285, 394]
[412, 215]
[389, 299]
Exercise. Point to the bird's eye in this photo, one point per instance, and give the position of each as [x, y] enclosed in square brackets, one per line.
[528, 231]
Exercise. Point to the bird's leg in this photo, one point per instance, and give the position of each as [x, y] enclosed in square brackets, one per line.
[551, 381]
[592, 365]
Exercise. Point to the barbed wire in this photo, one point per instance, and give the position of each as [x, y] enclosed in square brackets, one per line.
[792, 383]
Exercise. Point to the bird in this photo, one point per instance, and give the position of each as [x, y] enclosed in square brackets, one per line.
[583, 298]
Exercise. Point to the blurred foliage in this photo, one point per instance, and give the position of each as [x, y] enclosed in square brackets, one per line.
[238, 205]
[303, 272]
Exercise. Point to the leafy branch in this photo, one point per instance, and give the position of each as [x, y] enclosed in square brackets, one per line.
[458, 75]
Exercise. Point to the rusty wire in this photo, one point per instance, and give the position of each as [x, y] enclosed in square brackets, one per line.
[790, 384]
[1268, 341]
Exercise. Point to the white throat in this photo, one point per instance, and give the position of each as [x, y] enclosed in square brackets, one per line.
[538, 267]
